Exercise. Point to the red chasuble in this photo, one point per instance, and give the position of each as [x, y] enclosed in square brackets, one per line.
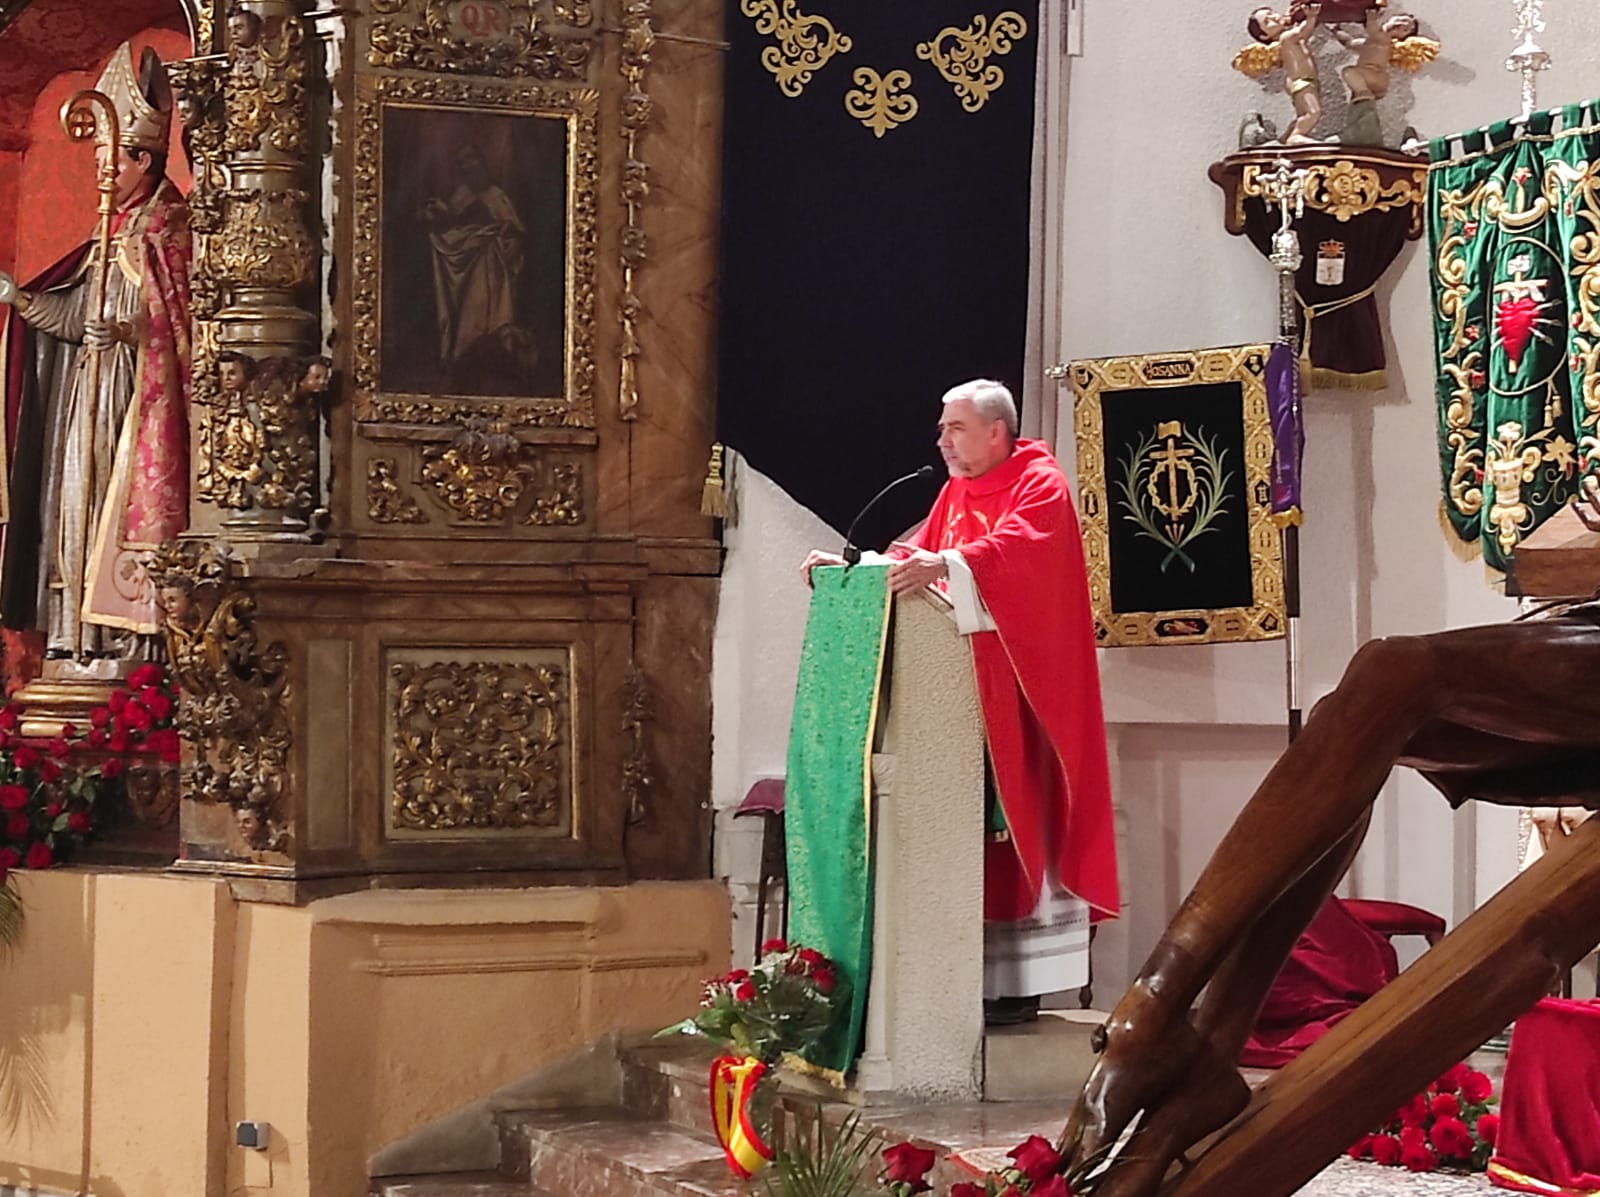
[1038, 681]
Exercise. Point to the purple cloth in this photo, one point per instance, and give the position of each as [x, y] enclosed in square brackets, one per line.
[1288, 430]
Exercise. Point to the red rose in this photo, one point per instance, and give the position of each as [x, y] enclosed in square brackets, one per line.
[1361, 1149]
[825, 979]
[69, 731]
[1413, 1136]
[774, 945]
[138, 716]
[1035, 1157]
[1488, 1128]
[117, 701]
[39, 856]
[1414, 1111]
[736, 975]
[16, 825]
[744, 992]
[96, 739]
[145, 675]
[10, 716]
[1418, 1159]
[52, 809]
[78, 822]
[1476, 1087]
[117, 741]
[99, 717]
[967, 1189]
[1056, 1186]
[811, 958]
[13, 797]
[49, 770]
[10, 858]
[59, 747]
[159, 704]
[907, 1164]
[1444, 1105]
[25, 757]
[111, 770]
[1451, 1080]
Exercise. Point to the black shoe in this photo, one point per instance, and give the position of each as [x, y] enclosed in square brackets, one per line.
[57, 654]
[1010, 1011]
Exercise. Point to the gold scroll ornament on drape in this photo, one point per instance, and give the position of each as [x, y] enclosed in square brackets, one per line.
[804, 43]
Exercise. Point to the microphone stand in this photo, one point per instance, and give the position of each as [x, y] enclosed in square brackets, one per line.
[852, 554]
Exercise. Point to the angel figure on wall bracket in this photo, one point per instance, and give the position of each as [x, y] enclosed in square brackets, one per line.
[1379, 40]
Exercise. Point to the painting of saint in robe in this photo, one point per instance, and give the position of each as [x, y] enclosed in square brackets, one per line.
[474, 254]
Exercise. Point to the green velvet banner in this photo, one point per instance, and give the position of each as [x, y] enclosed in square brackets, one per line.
[1514, 232]
[828, 788]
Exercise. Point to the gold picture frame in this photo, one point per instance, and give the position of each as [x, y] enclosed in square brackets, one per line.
[460, 217]
[1175, 457]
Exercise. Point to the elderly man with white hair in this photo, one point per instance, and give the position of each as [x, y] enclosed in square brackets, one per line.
[1002, 539]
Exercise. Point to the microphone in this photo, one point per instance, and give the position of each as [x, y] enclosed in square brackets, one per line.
[852, 554]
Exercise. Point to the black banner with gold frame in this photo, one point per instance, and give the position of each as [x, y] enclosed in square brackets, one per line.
[1174, 492]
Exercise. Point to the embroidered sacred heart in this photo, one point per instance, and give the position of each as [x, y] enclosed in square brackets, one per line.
[1514, 322]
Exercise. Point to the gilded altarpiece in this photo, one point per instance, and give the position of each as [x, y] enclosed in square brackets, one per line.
[465, 557]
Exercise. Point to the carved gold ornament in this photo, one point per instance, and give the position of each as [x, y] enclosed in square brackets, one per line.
[962, 55]
[233, 690]
[877, 100]
[638, 771]
[1345, 189]
[480, 745]
[386, 502]
[579, 109]
[506, 38]
[638, 39]
[265, 242]
[804, 43]
[487, 474]
[265, 91]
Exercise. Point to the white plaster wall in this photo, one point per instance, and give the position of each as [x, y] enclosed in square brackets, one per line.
[761, 616]
[1147, 266]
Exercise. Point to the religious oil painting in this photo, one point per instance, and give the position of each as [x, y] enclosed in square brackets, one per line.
[480, 221]
[1174, 467]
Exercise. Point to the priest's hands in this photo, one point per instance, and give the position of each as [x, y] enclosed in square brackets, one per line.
[815, 558]
[920, 569]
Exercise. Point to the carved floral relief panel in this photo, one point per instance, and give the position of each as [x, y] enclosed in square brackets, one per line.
[479, 742]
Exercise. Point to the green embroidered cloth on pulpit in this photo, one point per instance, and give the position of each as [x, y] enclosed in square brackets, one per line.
[1514, 232]
[828, 788]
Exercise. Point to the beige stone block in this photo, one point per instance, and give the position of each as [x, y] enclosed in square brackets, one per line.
[1045, 1060]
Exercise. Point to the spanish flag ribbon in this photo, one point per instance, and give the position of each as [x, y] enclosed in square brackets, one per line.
[733, 1084]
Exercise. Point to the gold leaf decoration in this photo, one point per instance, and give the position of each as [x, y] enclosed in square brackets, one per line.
[877, 101]
[962, 55]
[805, 43]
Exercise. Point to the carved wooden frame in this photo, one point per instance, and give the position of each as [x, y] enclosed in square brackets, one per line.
[1116, 379]
[579, 108]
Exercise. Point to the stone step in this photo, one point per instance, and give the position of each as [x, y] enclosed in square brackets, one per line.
[454, 1184]
[1044, 1060]
[612, 1153]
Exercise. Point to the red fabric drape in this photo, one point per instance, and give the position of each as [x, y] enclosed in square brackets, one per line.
[1550, 1102]
[1337, 964]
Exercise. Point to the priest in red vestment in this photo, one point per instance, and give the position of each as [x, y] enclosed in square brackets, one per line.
[1002, 539]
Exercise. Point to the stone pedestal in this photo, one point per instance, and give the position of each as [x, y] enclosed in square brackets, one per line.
[924, 1031]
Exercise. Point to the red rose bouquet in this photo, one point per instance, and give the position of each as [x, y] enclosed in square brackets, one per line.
[46, 807]
[141, 716]
[1450, 1124]
[784, 1003]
